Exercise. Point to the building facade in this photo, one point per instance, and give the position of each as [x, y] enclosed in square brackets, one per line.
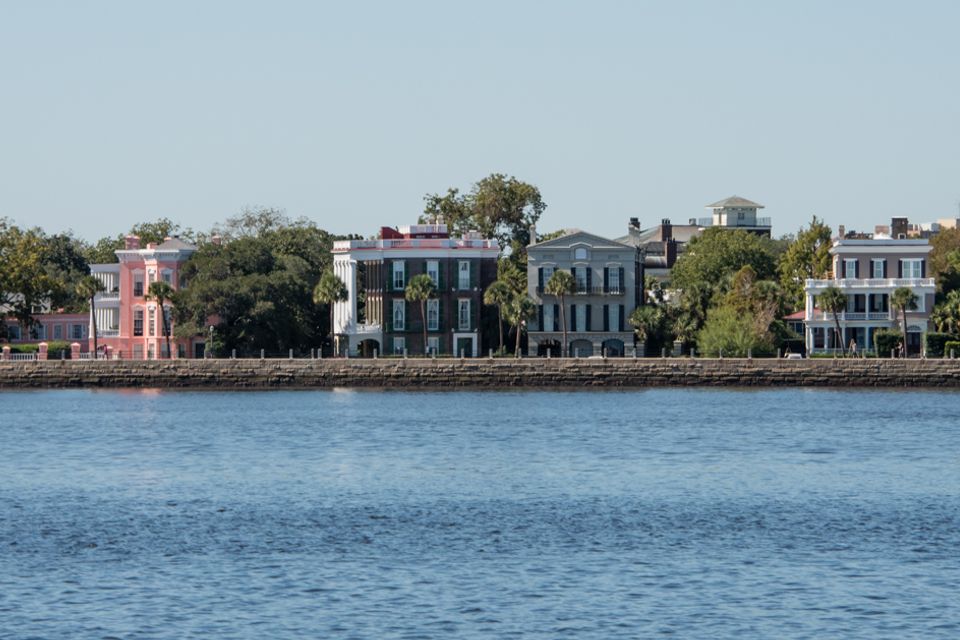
[50, 327]
[128, 324]
[376, 315]
[609, 286]
[737, 213]
[868, 271]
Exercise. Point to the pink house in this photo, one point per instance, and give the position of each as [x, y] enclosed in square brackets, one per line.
[128, 324]
[48, 327]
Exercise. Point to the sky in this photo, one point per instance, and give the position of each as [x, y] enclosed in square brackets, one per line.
[348, 113]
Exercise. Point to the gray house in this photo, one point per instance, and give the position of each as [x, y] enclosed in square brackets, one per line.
[609, 286]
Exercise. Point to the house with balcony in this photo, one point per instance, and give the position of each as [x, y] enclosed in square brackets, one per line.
[128, 324]
[868, 271]
[376, 315]
[608, 278]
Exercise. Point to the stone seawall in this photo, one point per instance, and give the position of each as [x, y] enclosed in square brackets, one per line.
[478, 373]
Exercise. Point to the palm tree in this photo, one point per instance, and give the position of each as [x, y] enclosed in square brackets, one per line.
[499, 293]
[561, 284]
[645, 320]
[162, 292]
[330, 290]
[420, 289]
[520, 309]
[88, 287]
[904, 299]
[834, 301]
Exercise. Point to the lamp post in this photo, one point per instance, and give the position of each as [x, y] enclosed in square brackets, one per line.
[210, 346]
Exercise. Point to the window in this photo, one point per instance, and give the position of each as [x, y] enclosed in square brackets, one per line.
[152, 315]
[13, 331]
[580, 273]
[433, 314]
[547, 318]
[876, 268]
[463, 316]
[138, 322]
[399, 274]
[433, 344]
[849, 268]
[463, 283]
[581, 317]
[167, 276]
[58, 332]
[38, 332]
[613, 317]
[138, 284]
[613, 279]
[547, 274]
[151, 353]
[168, 318]
[76, 332]
[399, 346]
[399, 315]
[151, 277]
[912, 268]
[580, 254]
[433, 270]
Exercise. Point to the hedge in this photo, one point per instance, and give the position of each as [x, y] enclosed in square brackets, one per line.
[886, 341]
[936, 344]
[951, 345]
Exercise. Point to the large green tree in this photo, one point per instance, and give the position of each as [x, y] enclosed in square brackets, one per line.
[497, 206]
[808, 256]
[25, 279]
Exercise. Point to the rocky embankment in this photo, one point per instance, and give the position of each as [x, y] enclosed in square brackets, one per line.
[479, 373]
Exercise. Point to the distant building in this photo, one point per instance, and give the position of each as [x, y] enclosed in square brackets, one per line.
[609, 286]
[377, 316]
[737, 213]
[129, 325]
[47, 327]
[868, 271]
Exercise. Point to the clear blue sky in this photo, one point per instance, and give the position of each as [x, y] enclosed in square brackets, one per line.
[348, 113]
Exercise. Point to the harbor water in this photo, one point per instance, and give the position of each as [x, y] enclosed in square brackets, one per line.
[393, 514]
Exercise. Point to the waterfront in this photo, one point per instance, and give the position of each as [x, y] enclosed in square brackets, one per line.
[787, 513]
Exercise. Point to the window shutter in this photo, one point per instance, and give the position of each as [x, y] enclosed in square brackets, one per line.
[556, 317]
[439, 313]
[588, 317]
[573, 317]
[404, 285]
[923, 268]
[540, 279]
[856, 269]
[900, 268]
[474, 277]
[606, 279]
[573, 272]
[622, 284]
[884, 268]
[589, 280]
[606, 316]
[540, 316]
[619, 317]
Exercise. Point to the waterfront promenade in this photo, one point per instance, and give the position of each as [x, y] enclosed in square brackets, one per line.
[480, 373]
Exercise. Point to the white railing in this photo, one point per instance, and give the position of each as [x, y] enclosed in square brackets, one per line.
[367, 329]
[855, 315]
[415, 243]
[108, 333]
[871, 283]
[24, 356]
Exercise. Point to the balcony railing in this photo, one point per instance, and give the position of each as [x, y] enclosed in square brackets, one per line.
[854, 315]
[590, 291]
[748, 224]
[415, 243]
[870, 283]
[108, 333]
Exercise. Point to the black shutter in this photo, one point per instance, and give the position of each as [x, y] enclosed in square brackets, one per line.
[589, 316]
[622, 284]
[606, 316]
[556, 317]
[620, 317]
[900, 268]
[573, 272]
[923, 268]
[540, 318]
[856, 269]
[539, 279]
[573, 317]
[589, 280]
[884, 268]
[606, 279]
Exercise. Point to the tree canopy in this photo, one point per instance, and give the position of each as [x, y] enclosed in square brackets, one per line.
[808, 256]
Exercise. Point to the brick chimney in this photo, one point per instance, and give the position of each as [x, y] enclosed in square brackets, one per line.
[131, 242]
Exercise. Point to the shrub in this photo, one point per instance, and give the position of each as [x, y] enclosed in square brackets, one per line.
[951, 345]
[733, 334]
[885, 341]
[936, 343]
